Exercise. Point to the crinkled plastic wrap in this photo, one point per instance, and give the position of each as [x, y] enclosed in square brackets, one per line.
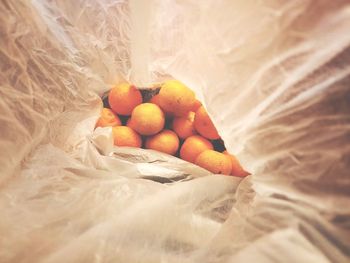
[273, 74]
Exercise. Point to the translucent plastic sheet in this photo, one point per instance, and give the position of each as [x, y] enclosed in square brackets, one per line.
[274, 76]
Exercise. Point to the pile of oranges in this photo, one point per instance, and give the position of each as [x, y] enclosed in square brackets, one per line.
[173, 122]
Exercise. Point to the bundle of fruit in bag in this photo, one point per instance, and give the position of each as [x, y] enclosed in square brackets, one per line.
[168, 119]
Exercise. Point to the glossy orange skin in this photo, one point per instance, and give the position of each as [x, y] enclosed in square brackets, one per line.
[108, 118]
[125, 136]
[215, 162]
[193, 146]
[147, 119]
[237, 169]
[176, 98]
[155, 100]
[123, 98]
[196, 105]
[166, 141]
[184, 126]
[204, 125]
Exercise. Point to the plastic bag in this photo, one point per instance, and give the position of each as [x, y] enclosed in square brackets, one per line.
[274, 76]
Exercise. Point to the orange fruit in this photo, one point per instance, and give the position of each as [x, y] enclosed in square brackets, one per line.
[184, 126]
[193, 146]
[176, 98]
[128, 123]
[196, 105]
[123, 98]
[204, 125]
[108, 118]
[237, 169]
[147, 119]
[155, 100]
[166, 141]
[215, 162]
[125, 136]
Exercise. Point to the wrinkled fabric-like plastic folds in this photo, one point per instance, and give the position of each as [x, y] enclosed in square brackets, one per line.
[274, 76]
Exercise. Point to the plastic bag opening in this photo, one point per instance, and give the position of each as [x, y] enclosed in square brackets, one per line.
[274, 76]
